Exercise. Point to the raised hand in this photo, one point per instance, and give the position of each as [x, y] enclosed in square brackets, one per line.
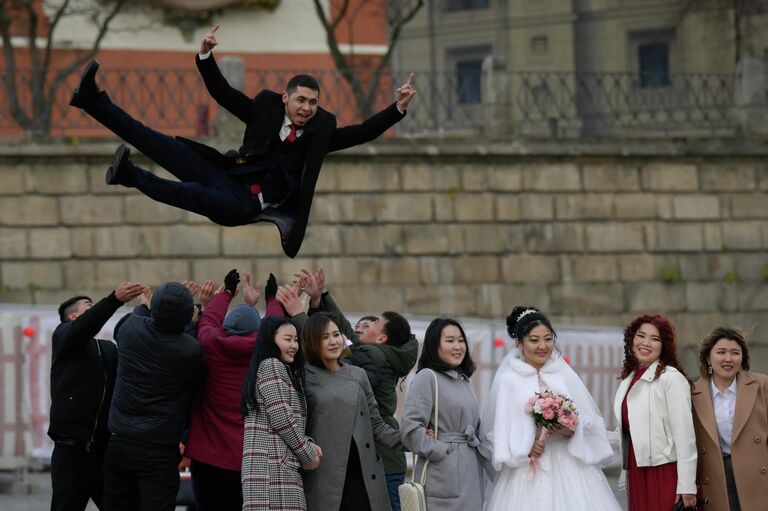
[288, 296]
[127, 291]
[232, 282]
[405, 93]
[209, 40]
[145, 298]
[192, 286]
[251, 292]
[206, 292]
[320, 278]
[309, 284]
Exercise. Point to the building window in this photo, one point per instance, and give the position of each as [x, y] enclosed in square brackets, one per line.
[465, 5]
[653, 61]
[469, 81]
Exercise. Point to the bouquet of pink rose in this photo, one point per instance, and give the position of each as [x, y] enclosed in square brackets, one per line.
[551, 411]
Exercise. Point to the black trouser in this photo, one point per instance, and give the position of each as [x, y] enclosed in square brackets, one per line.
[730, 483]
[140, 476]
[216, 488]
[354, 496]
[205, 188]
[76, 477]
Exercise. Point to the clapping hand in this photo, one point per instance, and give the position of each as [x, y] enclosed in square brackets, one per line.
[192, 286]
[209, 41]
[288, 296]
[312, 285]
[145, 298]
[251, 292]
[127, 291]
[206, 292]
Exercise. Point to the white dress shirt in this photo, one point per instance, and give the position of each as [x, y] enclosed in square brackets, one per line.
[285, 130]
[724, 404]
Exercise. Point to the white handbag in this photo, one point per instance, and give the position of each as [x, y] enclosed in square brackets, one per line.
[412, 495]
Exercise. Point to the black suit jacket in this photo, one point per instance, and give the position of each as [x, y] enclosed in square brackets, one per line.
[263, 117]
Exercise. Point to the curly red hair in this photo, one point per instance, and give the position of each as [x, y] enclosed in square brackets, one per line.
[668, 355]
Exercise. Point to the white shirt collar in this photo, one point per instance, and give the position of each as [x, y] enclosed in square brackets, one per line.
[716, 392]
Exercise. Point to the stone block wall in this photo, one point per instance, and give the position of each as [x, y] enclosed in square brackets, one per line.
[593, 234]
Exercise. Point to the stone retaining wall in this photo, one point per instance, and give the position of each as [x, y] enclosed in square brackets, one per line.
[594, 234]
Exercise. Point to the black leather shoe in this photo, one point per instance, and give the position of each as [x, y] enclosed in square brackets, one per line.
[87, 90]
[121, 166]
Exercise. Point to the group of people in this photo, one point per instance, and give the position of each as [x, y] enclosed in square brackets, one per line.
[295, 410]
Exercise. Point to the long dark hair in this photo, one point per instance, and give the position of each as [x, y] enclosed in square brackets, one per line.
[430, 359]
[267, 348]
[668, 355]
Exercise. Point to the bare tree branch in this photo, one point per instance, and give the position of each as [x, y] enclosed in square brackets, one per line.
[35, 118]
[10, 65]
[54, 23]
[365, 96]
[87, 56]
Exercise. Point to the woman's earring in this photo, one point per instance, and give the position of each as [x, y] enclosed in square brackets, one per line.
[709, 370]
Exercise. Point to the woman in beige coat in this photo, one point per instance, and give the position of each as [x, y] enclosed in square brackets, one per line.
[730, 417]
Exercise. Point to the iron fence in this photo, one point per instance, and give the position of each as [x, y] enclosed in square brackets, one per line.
[504, 105]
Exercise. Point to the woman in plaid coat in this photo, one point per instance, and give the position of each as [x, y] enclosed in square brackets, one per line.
[275, 445]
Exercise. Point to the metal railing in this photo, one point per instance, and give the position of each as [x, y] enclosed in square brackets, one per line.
[501, 104]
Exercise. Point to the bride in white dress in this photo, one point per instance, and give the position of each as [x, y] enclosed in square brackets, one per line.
[568, 476]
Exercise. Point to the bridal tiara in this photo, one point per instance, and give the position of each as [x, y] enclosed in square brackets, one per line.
[525, 312]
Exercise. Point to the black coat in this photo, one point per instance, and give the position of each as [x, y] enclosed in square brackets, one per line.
[158, 370]
[263, 117]
[83, 376]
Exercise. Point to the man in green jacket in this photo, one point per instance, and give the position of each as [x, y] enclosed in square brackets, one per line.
[392, 348]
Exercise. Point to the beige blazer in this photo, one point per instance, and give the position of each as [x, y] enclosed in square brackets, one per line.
[749, 451]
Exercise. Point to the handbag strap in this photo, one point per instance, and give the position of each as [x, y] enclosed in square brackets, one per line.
[423, 478]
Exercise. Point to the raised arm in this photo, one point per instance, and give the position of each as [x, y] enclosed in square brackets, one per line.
[71, 336]
[374, 126]
[234, 101]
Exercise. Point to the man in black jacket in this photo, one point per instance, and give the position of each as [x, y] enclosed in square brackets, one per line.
[158, 371]
[82, 381]
[270, 178]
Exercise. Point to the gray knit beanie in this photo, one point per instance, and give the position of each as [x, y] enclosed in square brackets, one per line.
[241, 320]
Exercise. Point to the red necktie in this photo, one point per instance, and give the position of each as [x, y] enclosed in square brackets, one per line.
[292, 136]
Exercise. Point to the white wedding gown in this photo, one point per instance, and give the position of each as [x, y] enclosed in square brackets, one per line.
[561, 483]
[569, 477]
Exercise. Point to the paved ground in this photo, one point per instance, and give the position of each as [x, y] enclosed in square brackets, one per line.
[35, 493]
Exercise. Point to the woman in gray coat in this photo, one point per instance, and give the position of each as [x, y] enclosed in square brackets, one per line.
[455, 469]
[344, 421]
